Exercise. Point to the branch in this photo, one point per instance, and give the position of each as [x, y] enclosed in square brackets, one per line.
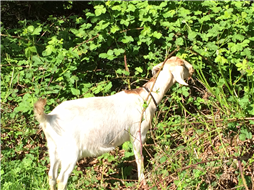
[144, 109]
[205, 58]
[241, 171]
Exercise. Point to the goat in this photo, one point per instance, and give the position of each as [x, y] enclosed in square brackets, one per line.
[89, 127]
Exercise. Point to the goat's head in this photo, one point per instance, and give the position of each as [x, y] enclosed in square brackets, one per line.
[179, 68]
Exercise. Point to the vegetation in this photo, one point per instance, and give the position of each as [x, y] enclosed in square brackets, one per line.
[202, 135]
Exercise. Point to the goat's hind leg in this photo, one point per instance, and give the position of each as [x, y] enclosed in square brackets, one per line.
[68, 163]
[53, 171]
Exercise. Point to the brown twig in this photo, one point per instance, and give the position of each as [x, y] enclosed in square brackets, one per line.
[144, 109]
[91, 39]
[241, 171]
[205, 58]
[127, 69]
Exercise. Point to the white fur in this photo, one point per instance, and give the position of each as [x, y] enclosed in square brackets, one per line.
[92, 126]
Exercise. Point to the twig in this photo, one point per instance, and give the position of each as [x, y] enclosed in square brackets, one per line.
[205, 58]
[241, 171]
[51, 79]
[127, 69]
[144, 109]
[91, 39]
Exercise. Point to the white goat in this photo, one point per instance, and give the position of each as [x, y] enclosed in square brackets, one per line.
[92, 126]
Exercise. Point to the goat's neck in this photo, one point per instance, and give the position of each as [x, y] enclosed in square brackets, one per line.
[164, 81]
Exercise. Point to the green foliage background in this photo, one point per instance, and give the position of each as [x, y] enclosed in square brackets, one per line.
[68, 56]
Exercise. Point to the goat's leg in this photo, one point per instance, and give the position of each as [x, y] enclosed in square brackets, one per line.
[139, 158]
[68, 163]
[137, 146]
[53, 171]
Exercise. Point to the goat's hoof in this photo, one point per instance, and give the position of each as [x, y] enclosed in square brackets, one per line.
[143, 185]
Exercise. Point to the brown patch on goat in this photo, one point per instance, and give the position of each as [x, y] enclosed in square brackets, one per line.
[175, 61]
[134, 91]
[149, 83]
[39, 106]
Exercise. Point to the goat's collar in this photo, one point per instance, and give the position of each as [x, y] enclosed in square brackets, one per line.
[152, 97]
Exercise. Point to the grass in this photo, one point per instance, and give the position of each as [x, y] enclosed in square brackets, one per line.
[194, 156]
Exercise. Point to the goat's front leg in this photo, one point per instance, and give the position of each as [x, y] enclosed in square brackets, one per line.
[139, 160]
[137, 146]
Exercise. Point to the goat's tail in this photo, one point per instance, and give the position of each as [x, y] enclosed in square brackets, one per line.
[39, 110]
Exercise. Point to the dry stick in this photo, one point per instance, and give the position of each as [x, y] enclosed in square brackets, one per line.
[51, 78]
[205, 58]
[241, 171]
[127, 69]
[91, 39]
[144, 109]
[44, 32]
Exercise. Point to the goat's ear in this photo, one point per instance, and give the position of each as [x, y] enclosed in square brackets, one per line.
[156, 69]
[178, 74]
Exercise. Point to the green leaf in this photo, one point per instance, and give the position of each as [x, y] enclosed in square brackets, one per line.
[221, 59]
[157, 35]
[145, 105]
[118, 51]
[114, 29]
[163, 159]
[127, 73]
[75, 91]
[249, 135]
[37, 60]
[242, 137]
[131, 8]
[127, 145]
[99, 9]
[146, 31]
[37, 31]
[237, 37]
[30, 29]
[185, 91]
[125, 22]
[179, 41]
[192, 35]
[29, 51]
[183, 12]
[169, 13]
[48, 51]
[108, 87]
[127, 39]
[139, 69]
[103, 55]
